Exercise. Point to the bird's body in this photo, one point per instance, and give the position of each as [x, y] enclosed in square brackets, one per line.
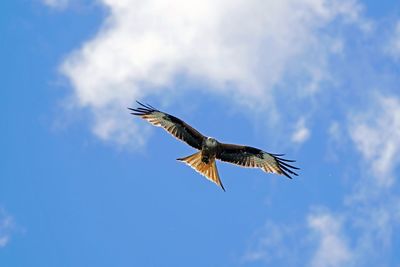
[210, 149]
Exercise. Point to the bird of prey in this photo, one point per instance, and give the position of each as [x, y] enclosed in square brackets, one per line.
[210, 149]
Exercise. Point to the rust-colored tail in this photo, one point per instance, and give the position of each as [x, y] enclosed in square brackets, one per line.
[208, 170]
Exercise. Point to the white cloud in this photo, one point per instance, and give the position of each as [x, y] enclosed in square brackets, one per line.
[240, 48]
[332, 249]
[301, 133]
[375, 133]
[6, 227]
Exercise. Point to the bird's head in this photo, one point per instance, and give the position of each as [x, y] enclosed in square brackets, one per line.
[211, 142]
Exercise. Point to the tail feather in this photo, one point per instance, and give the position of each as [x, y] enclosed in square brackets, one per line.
[208, 170]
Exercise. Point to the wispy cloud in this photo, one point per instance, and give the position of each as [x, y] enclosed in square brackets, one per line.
[56, 3]
[374, 205]
[276, 243]
[393, 46]
[6, 227]
[242, 49]
[332, 248]
[301, 132]
[375, 133]
[371, 211]
[317, 240]
[360, 231]
[334, 132]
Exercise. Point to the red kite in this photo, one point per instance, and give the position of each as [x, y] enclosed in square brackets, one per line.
[210, 149]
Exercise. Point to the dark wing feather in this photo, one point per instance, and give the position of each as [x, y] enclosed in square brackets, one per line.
[173, 125]
[251, 157]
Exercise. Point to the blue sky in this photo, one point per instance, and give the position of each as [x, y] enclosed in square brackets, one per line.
[85, 184]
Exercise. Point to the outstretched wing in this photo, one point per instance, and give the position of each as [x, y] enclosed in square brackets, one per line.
[173, 125]
[251, 157]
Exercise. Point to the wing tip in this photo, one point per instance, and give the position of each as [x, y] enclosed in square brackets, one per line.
[222, 186]
[285, 168]
[143, 109]
[147, 106]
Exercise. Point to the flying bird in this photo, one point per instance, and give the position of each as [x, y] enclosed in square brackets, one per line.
[210, 149]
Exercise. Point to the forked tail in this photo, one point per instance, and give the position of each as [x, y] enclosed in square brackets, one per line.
[208, 170]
